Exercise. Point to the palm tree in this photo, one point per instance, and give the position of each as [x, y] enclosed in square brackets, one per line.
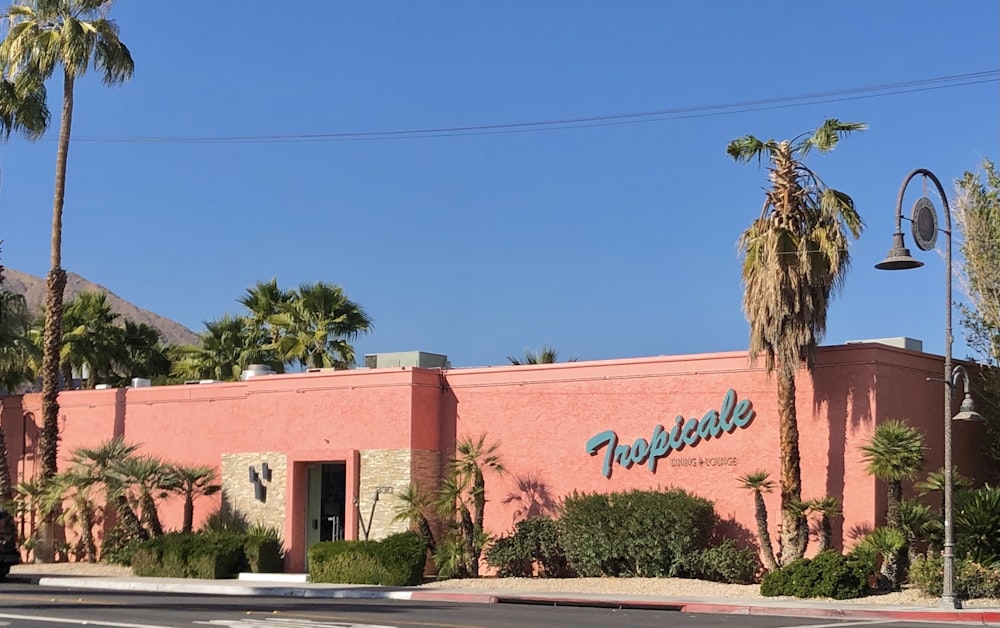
[828, 508]
[895, 453]
[225, 350]
[468, 484]
[263, 301]
[90, 338]
[547, 355]
[101, 461]
[138, 352]
[145, 479]
[193, 482]
[16, 348]
[411, 505]
[760, 482]
[314, 328]
[73, 35]
[794, 260]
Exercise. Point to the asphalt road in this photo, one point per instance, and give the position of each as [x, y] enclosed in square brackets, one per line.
[30, 606]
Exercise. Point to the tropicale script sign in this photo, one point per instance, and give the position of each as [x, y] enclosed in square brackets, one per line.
[685, 433]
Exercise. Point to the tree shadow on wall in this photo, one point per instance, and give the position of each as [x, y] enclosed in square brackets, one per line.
[732, 529]
[530, 497]
[845, 403]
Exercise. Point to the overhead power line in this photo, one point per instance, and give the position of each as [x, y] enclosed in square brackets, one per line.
[677, 113]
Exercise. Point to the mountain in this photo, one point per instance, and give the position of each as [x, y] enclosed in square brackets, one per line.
[33, 289]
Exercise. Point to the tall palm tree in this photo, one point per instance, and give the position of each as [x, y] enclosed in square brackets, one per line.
[547, 355]
[192, 482]
[14, 343]
[139, 352]
[91, 339]
[760, 482]
[71, 35]
[263, 301]
[224, 351]
[315, 328]
[895, 453]
[794, 259]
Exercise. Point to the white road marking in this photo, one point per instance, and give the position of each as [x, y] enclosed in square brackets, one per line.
[866, 622]
[78, 622]
[274, 622]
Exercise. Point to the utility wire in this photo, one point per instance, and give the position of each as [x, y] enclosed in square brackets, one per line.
[678, 113]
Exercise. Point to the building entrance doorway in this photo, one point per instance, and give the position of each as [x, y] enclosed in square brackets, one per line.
[327, 488]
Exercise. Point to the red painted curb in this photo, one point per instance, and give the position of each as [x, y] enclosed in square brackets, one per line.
[465, 598]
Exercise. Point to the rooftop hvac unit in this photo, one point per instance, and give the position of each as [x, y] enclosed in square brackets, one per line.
[256, 370]
[415, 359]
[141, 382]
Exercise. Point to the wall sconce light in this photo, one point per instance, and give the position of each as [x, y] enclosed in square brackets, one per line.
[259, 488]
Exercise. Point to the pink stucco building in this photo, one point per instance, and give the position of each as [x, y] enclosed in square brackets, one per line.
[338, 444]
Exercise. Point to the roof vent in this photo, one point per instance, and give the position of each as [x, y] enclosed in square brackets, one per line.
[256, 370]
[203, 381]
[141, 382]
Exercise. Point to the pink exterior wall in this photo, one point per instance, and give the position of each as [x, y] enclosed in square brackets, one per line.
[542, 416]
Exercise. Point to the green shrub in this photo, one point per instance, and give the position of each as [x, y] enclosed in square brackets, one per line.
[828, 575]
[532, 550]
[264, 555]
[977, 525]
[726, 563]
[635, 533]
[118, 546]
[400, 559]
[178, 555]
[972, 580]
[405, 552]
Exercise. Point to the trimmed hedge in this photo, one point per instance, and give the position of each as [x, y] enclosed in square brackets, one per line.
[532, 550]
[635, 533]
[205, 556]
[178, 555]
[397, 560]
[829, 575]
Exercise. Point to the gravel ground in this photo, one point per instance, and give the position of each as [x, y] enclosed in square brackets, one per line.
[665, 587]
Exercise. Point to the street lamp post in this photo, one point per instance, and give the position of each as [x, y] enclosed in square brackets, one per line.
[925, 229]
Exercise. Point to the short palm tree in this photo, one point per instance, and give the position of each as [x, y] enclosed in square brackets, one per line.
[102, 461]
[935, 481]
[412, 504]
[145, 479]
[795, 258]
[894, 453]
[547, 355]
[760, 482]
[71, 35]
[466, 479]
[827, 508]
[192, 482]
[886, 543]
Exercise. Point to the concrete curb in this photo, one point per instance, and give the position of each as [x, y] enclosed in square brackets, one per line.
[361, 592]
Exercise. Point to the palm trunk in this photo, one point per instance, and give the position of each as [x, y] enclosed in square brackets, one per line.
[6, 488]
[893, 518]
[188, 513]
[794, 529]
[150, 516]
[469, 537]
[56, 282]
[87, 531]
[763, 535]
[133, 527]
[825, 533]
[425, 531]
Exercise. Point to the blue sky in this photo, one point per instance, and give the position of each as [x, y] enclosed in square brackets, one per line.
[606, 242]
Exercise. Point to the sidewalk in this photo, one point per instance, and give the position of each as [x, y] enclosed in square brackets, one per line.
[279, 588]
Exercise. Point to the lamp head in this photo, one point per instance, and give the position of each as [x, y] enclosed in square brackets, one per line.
[968, 411]
[899, 257]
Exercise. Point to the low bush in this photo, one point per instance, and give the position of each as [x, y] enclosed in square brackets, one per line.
[972, 580]
[118, 546]
[532, 550]
[635, 533]
[178, 555]
[397, 560]
[828, 575]
[727, 563]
